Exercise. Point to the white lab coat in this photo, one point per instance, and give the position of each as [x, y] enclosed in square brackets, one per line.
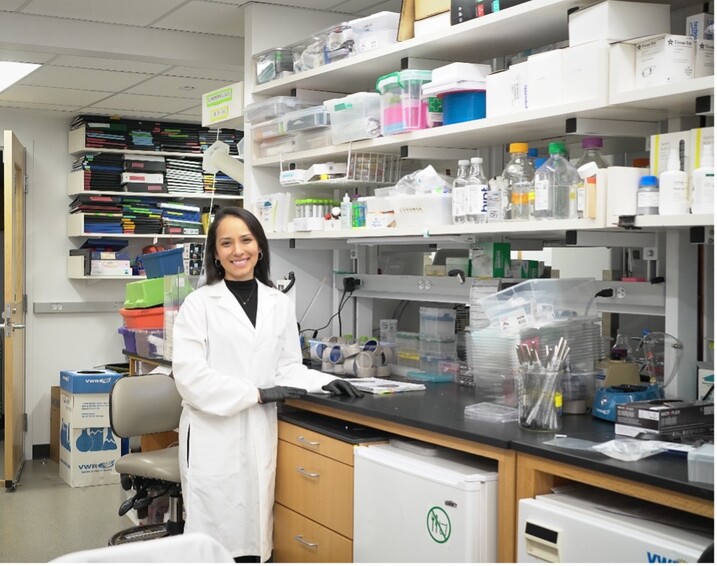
[227, 440]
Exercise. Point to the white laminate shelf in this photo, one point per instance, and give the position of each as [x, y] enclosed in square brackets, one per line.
[76, 183]
[75, 270]
[76, 145]
[675, 221]
[76, 229]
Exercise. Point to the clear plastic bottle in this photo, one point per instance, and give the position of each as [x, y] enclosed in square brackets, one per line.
[556, 184]
[459, 194]
[477, 193]
[703, 183]
[587, 197]
[673, 187]
[346, 213]
[493, 206]
[517, 180]
[648, 196]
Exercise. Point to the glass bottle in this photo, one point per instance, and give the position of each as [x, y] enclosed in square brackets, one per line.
[587, 197]
[621, 350]
[517, 180]
[477, 193]
[458, 197]
[648, 196]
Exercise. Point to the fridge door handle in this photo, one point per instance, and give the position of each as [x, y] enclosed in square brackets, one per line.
[306, 473]
[300, 539]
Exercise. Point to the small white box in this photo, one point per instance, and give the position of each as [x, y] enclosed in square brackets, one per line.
[431, 25]
[622, 67]
[700, 26]
[664, 59]
[545, 79]
[380, 220]
[497, 94]
[614, 20]
[377, 30]
[110, 267]
[704, 58]
[660, 145]
[224, 106]
[585, 72]
[699, 138]
[519, 95]
[622, 184]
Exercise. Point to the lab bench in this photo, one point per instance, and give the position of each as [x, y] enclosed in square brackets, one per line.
[526, 466]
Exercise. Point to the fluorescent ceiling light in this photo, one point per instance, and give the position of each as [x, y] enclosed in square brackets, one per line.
[11, 72]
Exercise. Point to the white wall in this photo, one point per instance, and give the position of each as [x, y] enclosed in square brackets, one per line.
[56, 342]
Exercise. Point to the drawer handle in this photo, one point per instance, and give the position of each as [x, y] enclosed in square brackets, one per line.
[308, 442]
[307, 474]
[300, 539]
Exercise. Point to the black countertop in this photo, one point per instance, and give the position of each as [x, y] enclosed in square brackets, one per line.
[440, 409]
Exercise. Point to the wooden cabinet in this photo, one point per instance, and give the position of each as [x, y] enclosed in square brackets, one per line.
[313, 514]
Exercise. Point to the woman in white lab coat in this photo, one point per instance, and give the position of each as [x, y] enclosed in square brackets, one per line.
[235, 354]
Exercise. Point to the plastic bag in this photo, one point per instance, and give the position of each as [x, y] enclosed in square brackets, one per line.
[630, 449]
[571, 443]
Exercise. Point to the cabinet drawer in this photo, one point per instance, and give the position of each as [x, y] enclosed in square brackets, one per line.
[315, 486]
[317, 442]
[298, 539]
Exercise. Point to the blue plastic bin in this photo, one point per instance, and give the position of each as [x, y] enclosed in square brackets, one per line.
[159, 264]
[463, 106]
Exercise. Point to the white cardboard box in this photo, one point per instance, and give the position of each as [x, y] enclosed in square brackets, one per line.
[110, 267]
[660, 145]
[704, 58]
[585, 71]
[519, 95]
[88, 455]
[497, 93]
[545, 79]
[431, 25]
[698, 26]
[664, 59]
[615, 20]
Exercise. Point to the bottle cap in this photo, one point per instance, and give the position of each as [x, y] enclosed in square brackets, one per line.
[533, 152]
[463, 162]
[556, 147]
[649, 180]
[476, 160]
[592, 143]
[518, 148]
[539, 162]
[587, 170]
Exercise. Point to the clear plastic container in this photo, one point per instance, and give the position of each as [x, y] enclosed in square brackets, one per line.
[648, 196]
[277, 146]
[307, 118]
[308, 53]
[517, 180]
[402, 109]
[355, 117]
[265, 110]
[445, 347]
[556, 186]
[377, 30]
[273, 63]
[437, 323]
[338, 42]
[459, 196]
[491, 412]
[312, 139]
[268, 130]
[430, 363]
[587, 188]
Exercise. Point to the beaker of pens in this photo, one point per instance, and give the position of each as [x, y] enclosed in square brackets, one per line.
[540, 399]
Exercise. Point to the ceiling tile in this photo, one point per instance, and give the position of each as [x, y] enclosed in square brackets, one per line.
[185, 117]
[11, 5]
[50, 95]
[141, 102]
[37, 106]
[139, 114]
[24, 56]
[176, 87]
[358, 7]
[68, 77]
[205, 17]
[108, 64]
[130, 12]
[204, 73]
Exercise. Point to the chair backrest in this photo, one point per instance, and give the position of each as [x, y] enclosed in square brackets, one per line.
[144, 404]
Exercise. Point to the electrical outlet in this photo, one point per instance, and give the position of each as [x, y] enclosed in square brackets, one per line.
[353, 253]
[620, 292]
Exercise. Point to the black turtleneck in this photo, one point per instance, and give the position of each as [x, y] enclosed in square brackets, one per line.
[246, 293]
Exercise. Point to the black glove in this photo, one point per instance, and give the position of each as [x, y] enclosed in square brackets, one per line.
[342, 387]
[280, 393]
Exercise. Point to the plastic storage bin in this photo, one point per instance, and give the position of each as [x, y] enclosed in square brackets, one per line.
[268, 130]
[306, 118]
[402, 109]
[355, 117]
[266, 110]
[463, 106]
[422, 210]
[437, 323]
[439, 347]
[144, 294]
[130, 344]
[151, 318]
[159, 264]
[701, 464]
[377, 30]
[277, 146]
[273, 64]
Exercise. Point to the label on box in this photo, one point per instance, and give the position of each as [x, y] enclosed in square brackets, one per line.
[664, 59]
[88, 381]
[88, 455]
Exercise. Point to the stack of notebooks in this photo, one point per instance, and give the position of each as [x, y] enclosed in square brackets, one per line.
[141, 215]
[184, 176]
[181, 219]
[102, 172]
[222, 184]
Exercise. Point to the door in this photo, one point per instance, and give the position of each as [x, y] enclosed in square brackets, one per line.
[13, 315]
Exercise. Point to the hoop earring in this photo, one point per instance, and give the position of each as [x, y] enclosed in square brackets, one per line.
[217, 263]
[261, 255]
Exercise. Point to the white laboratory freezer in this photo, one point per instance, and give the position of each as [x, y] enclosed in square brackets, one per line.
[585, 524]
[417, 507]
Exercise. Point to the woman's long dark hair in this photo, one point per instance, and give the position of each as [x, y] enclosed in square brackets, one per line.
[262, 270]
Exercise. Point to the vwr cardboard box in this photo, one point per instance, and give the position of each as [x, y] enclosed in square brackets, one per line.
[55, 424]
[88, 448]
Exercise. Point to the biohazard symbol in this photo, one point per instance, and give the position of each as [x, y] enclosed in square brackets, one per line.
[438, 524]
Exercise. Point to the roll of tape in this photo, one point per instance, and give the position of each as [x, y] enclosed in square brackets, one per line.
[326, 354]
[364, 372]
[370, 345]
[388, 354]
[350, 350]
[379, 359]
[336, 356]
[317, 350]
[327, 366]
[339, 369]
[349, 366]
[363, 360]
[333, 339]
[383, 371]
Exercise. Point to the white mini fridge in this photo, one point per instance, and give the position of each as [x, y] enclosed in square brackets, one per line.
[432, 506]
[591, 525]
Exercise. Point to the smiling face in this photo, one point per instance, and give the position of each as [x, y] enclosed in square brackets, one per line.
[236, 249]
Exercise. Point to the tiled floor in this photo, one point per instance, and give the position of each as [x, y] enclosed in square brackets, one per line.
[45, 518]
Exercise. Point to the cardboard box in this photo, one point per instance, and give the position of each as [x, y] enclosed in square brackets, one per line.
[88, 448]
[704, 58]
[432, 24]
[519, 95]
[663, 59]
[660, 145]
[545, 79]
[525, 268]
[55, 423]
[698, 26]
[585, 72]
[497, 95]
[665, 416]
[490, 259]
[615, 20]
[118, 267]
[427, 8]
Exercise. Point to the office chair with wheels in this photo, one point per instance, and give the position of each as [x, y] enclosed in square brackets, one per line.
[147, 404]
